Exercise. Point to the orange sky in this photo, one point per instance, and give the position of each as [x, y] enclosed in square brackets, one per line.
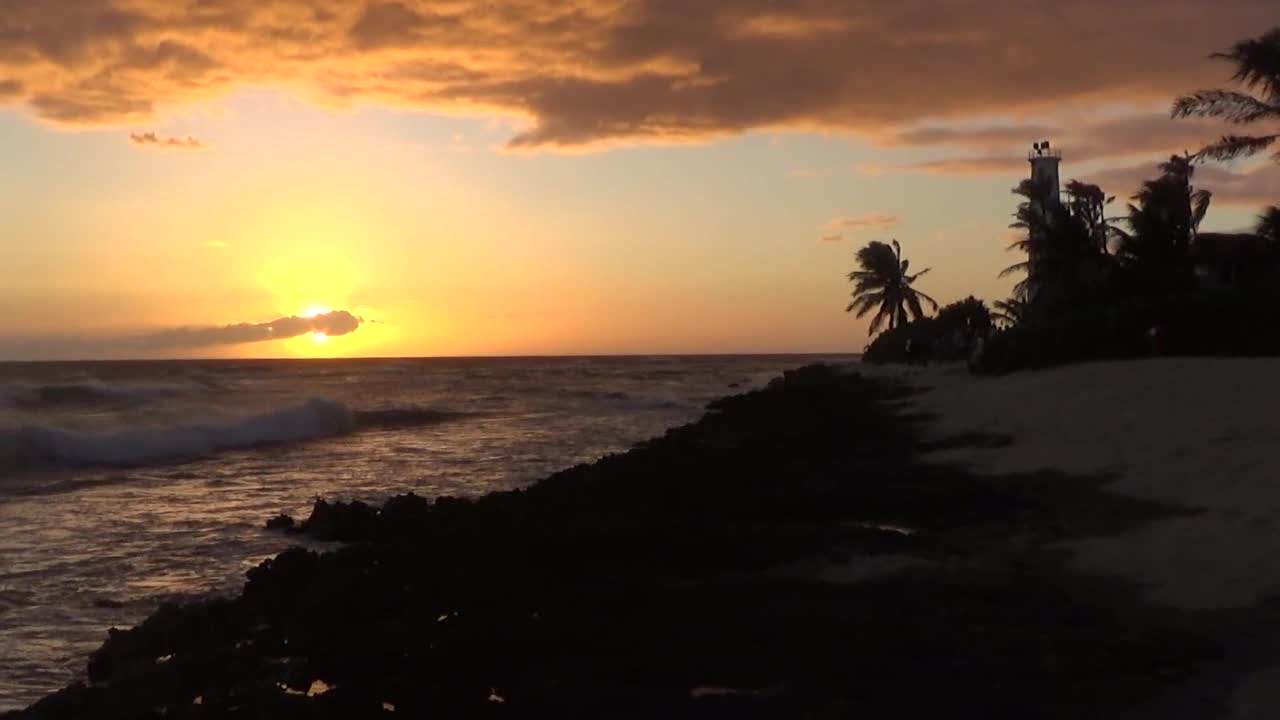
[555, 176]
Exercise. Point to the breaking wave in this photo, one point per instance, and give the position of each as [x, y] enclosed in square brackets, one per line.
[26, 446]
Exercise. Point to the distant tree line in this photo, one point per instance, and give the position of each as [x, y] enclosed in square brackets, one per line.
[1095, 285]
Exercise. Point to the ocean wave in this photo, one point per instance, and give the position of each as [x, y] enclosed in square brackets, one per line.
[38, 445]
[35, 395]
[35, 445]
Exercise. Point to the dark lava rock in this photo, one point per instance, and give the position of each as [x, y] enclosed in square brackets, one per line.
[281, 522]
[341, 521]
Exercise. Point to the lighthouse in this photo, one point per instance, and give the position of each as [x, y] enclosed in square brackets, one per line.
[1045, 161]
[1045, 198]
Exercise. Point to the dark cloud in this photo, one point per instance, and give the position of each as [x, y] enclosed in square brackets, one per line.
[333, 324]
[586, 72]
[150, 139]
[392, 24]
[177, 340]
[1000, 147]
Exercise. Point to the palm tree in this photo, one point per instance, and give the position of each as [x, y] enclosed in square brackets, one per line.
[1089, 203]
[1257, 64]
[883, 284]
[1163, 220]
[1065, 244]
[1011, 312]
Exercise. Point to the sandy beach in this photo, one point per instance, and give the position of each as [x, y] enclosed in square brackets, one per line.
[1195, 432]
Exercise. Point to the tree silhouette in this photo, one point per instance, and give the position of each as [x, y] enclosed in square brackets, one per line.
[969, 314]
[1257, 64]
[1269, 224]
[1089, 203]
[1011, 312]
[1163, 220]
[1065, 243]
[882, 283]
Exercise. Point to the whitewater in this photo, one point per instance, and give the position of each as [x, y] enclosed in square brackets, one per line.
[127, 484]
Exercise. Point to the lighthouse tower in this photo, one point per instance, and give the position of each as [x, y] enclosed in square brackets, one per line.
[1046, 196]
[1044, 173]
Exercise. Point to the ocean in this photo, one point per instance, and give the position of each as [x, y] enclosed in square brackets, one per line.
[127, 484]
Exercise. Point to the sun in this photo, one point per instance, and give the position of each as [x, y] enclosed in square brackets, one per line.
[319, 338]
[315, 310]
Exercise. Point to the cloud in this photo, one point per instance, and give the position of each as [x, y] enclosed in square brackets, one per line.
[1001, 147]
[153, 140]
[834, 229]
[976, 165]
[587, 73]
[1259, 185]
[866, 221]
[176, 340]
[333, 324]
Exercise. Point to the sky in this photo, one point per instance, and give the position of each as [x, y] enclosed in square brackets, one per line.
[279, 178]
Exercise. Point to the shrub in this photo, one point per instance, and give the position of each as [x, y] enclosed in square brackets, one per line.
[945, 338]
[1207, 324]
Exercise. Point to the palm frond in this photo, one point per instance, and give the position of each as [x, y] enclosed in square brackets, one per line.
[1200, 200]
[1231, 147]
[1257, 63]
[878, 321]
[863, 303]
[1235, 107]
[913, 304]
[921, 294]
[1024, 266]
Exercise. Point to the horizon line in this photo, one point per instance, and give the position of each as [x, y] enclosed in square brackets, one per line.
[437, 357]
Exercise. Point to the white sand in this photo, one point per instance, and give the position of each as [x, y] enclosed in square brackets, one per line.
[1198, 432]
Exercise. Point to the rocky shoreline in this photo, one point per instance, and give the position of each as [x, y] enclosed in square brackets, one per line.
[788, 555]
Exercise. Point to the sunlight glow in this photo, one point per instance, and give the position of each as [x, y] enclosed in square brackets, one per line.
[319, 338]
[315, 310]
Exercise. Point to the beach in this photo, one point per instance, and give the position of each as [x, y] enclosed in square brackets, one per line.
[1196, 432]
[827, 546]
[1193, 432]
